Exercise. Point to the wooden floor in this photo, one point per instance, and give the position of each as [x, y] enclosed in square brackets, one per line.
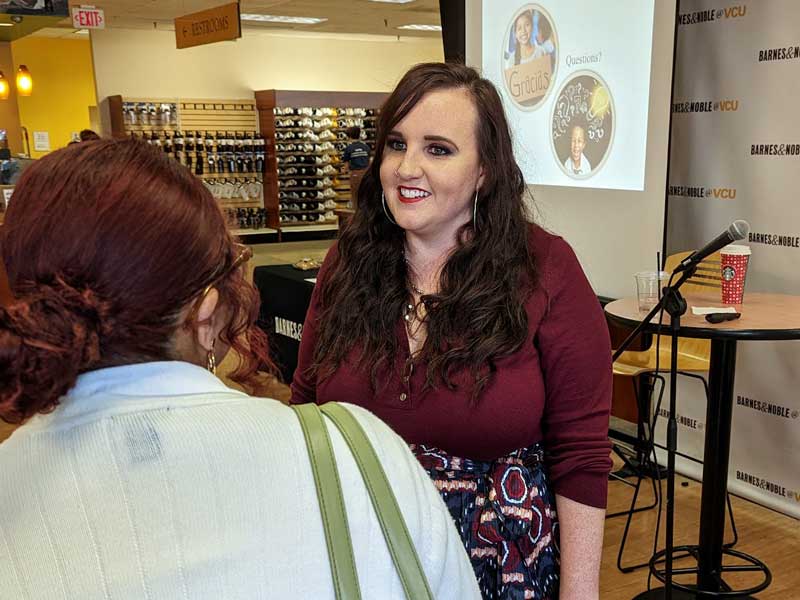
[772, 537]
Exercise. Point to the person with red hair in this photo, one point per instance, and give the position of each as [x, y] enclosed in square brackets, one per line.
[136, 473]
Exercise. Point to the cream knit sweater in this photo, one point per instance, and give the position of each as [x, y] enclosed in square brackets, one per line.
[156, 481]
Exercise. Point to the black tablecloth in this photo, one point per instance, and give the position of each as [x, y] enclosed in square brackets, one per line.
[285, 296]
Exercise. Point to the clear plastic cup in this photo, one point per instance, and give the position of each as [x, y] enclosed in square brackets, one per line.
[648, 288]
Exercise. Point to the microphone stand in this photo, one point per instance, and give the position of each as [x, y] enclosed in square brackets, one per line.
[674, 305]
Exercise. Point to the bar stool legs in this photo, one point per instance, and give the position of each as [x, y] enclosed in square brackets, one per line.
[648, 466]
[639, 465]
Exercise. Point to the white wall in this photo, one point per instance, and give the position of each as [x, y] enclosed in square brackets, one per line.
[614, 233]
[145, 63]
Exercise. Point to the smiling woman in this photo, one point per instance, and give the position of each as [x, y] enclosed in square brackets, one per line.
[430, 175]
[474, 334]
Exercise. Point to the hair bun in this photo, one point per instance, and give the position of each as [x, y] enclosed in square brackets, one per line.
[47, 338]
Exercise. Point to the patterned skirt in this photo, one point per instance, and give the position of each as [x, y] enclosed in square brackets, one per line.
[506, 515]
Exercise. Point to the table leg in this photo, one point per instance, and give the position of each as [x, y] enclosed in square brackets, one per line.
[719, 414]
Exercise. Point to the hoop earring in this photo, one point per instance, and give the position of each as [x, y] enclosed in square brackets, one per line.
[386, 210]
[475, 212]
[211, 359]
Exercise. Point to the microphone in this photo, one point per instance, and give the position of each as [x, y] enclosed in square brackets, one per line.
[738, 230]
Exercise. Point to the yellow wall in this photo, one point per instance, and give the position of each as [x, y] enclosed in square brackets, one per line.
[9, 112]
[63, 87]
[145, 63]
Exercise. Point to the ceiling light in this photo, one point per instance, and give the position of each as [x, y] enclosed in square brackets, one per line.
[81, 32]
[6, 24]
[417, 27]
[24, 81]
[282, 19]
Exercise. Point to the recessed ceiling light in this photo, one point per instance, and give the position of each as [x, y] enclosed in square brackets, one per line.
[6, 24]
[81, 32]
[282, 19]
[393, 1]
[422, 27]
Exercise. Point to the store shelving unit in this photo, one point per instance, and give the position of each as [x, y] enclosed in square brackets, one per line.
[304, 183]
[219, 140]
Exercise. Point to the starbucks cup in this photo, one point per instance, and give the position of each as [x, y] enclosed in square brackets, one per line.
[733, 262]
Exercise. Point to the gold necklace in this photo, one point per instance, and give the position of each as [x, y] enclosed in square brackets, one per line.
[411, 310]
[413, 287]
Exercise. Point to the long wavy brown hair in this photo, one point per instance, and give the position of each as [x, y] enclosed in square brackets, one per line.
[479, 315]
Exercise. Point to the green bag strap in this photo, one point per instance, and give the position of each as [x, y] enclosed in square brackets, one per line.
[394, 527]
[331, 502]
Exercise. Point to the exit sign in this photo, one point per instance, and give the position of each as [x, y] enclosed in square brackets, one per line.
[88, 17]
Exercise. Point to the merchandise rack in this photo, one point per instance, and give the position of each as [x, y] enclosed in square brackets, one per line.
[321, 106]
[158, 120]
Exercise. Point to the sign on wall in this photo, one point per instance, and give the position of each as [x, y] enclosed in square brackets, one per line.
[736, 155]
[208, 26]
[41, 141]
[88, 17]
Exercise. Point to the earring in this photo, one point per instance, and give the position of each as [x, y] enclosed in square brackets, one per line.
[475, 211]
[211, 359]
[386, 210]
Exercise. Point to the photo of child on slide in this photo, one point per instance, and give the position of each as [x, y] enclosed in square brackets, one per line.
[583, 125]
[529, 56]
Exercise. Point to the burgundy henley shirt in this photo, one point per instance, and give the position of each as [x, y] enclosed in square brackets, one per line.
[556, 389]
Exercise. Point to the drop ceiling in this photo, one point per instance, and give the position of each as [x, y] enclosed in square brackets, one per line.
[343, 16]
[10, 30]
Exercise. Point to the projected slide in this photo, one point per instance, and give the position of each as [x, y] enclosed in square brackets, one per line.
[575, 80]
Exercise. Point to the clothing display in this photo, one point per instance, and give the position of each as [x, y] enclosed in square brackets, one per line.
[308, 145]
[155, 480]
[555, 390]
[235, 159]
[217, 140]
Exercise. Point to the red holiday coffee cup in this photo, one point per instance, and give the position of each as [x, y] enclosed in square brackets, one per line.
[733, 263]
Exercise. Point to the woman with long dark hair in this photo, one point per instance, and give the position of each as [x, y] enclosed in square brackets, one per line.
[474, 334]
[137, 473]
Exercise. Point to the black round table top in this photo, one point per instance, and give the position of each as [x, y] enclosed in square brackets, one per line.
[764, 317]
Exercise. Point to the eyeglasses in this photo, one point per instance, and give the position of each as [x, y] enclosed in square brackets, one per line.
[244, 254]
